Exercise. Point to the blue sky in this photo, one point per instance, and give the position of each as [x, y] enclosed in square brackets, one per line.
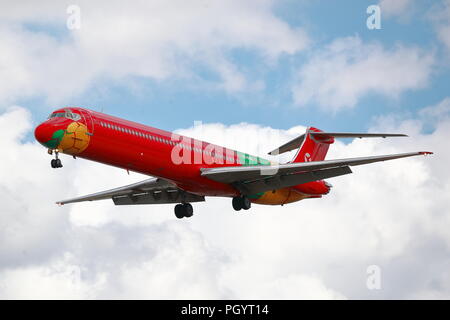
[173, 103]
[272, 64]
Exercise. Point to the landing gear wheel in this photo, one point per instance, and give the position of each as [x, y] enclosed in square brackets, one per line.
[184, 210]
[56, 163]
[179, 211]
[241, 203]
[188, 210]
[237, 203]
[245, 203]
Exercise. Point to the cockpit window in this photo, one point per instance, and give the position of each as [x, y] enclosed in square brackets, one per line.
[57, 114]
[73, 116]
[66, 114]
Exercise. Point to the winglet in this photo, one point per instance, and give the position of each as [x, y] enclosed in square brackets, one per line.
[424, 153]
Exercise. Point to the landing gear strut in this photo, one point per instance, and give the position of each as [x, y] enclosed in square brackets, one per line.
[56, 163]
[241, 203]
[183, 210]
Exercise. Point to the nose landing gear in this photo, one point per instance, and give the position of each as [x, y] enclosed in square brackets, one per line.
[55, 163]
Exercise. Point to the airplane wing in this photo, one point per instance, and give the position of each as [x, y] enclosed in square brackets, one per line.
[256, 179]
[149, 191]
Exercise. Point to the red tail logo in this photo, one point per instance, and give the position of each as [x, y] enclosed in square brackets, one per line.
[313, 149]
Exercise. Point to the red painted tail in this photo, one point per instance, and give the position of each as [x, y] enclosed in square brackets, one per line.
[313, 148]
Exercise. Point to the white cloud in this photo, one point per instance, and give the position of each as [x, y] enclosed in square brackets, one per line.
[391, 8]
[440, 15]
[155, 39]
[444, 35]
[340, 75]
[437, 112]
[392, 214]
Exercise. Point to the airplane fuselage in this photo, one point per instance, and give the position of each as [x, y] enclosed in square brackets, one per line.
[136, 147]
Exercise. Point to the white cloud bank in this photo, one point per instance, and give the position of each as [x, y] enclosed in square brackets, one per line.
[337, 76]
[394, 215]
[154, 39]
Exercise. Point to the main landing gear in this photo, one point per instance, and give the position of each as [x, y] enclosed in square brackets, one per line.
[241, 203]
[183, 210]
[56, 163]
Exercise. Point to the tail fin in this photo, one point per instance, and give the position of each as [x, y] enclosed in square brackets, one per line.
[314, 144]
[313, 148]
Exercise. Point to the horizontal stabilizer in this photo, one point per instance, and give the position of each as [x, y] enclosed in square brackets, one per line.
[355, 135]
[291, 145]
[297, 142]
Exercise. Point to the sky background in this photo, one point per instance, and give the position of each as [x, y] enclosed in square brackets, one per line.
[256, 73]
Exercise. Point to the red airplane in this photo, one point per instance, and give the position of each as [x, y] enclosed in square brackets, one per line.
[186, 170]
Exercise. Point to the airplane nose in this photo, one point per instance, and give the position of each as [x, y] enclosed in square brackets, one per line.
[42, 133]
[47, 136]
